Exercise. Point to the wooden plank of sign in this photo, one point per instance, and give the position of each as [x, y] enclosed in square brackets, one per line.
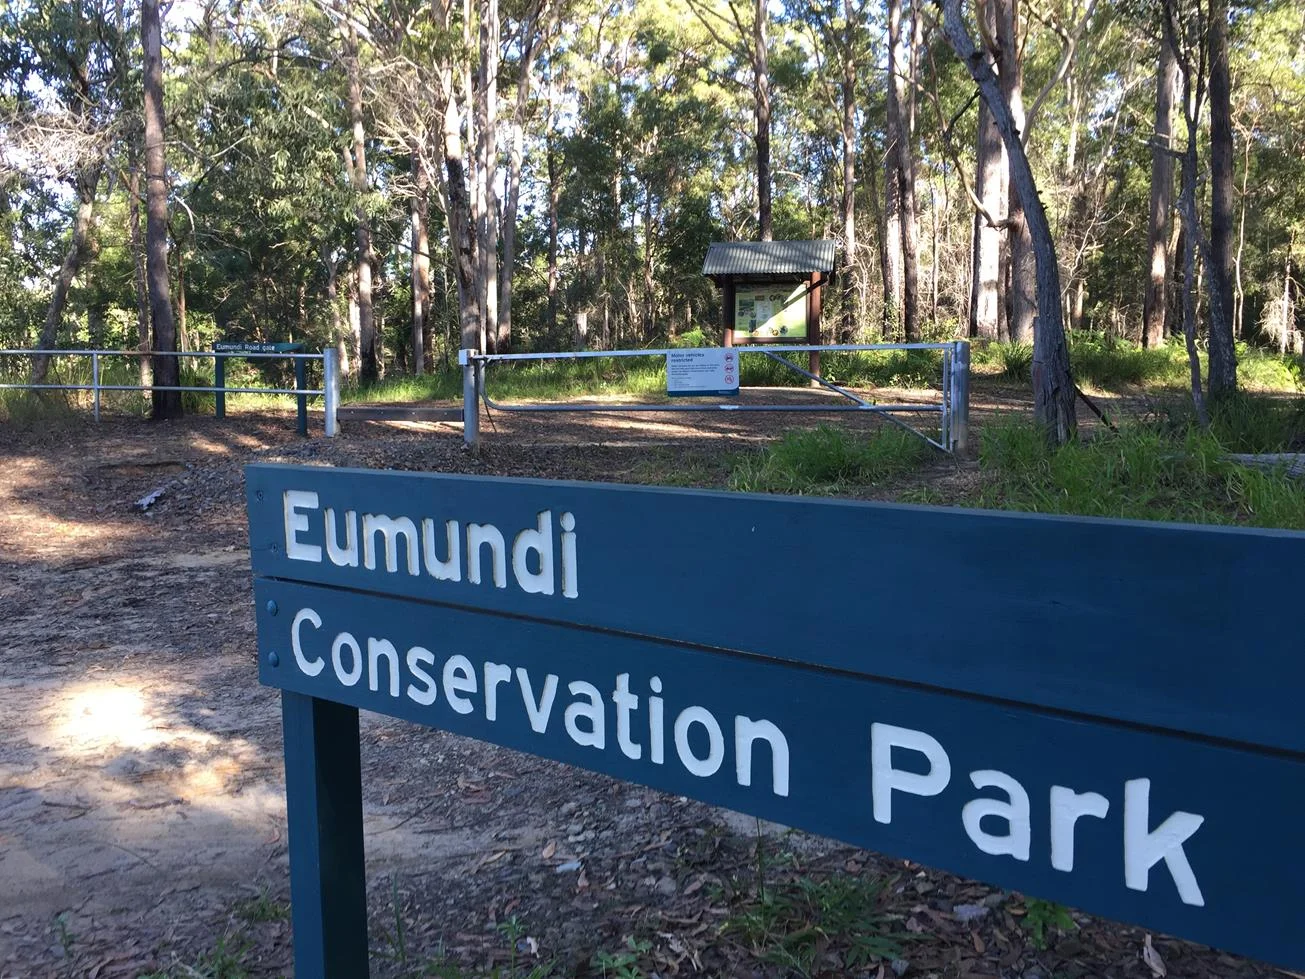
[1160, 625]
[1172, 832]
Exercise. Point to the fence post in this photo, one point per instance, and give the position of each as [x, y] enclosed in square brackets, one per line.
[470, 397]
[301, 399]
[95, 382]
[959, 386]
[219, 382]
[331, 388]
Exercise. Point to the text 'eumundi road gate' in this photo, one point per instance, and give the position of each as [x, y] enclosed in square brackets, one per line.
[706, 644]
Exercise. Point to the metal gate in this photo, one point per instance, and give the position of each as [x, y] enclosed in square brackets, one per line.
[952, 408]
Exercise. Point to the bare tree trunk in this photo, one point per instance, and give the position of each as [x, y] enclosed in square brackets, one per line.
[167, 372]
[1054, 393]
[461, 232]
[485, 204]
[534, 33]
[140, 288]
[890, 246]
[902, 159]
[850, 319]
[333, 312]
[1193, 93]
[990, 188]
[87, 184]
[419, 211]
[649, 270]
[1223, 356]
[1162, 191]
[183, 336]
[761, 85]
[356, 164]
[1023, 297]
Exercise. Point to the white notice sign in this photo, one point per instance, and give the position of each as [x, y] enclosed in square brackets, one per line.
[698, 372]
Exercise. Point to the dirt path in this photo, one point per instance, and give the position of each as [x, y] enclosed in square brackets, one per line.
[142, 813]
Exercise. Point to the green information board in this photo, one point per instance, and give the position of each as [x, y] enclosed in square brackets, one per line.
[770, 313]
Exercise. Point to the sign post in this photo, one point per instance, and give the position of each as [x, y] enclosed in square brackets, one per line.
[1082, 722]
[240, 347]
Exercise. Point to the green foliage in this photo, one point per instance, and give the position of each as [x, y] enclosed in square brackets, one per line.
[1016, 361]
[263, 908]
[828, 460]
[806, 922]
[1241, 422]
[623, 964]
[1042, 917]
[691, 338]
[1141, 473]
[1104, 361]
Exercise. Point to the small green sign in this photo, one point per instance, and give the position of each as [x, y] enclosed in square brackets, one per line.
[244, 347]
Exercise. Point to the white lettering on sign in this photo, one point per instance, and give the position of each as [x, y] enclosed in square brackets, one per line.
[701, 745]
[884, 778]
[542, 562]
[1144, 847]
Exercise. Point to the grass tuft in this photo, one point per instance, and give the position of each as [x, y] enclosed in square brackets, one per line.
[1140, 473]
[805, 924]
[828, 460]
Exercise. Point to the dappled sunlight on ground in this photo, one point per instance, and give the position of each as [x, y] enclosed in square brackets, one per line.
[129, 729]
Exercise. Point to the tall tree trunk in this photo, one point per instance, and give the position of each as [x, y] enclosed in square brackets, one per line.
[902, 159]
[534, 33]
[761, 86]
[167, 372]
[87, 183]
[847, 207]
[333, 311]
[419, 209]
[1223, 356]
[461, 230]
[890, 245]
[139, 286]
[485, 203]
[356, 163]
[649, 269]
[1023, 297]
[1162, 191]
[554, 199]
[990, 188]
[183, 335]
[1053, 392]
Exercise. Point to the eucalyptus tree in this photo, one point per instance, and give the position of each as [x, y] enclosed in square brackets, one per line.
[839, 36]
[61, 82]
[167, 372]
[1054, 393]
[1155, 303]
[741, 27]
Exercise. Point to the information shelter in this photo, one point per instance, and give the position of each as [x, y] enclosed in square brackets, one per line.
[771, 291]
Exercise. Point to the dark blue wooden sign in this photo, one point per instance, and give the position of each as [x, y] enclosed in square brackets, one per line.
[1095, 712]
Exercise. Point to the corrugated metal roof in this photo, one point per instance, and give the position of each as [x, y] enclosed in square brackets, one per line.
[769, 257]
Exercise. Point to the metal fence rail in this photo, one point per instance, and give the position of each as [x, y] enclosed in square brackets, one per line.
[329, 392]
[952, 410]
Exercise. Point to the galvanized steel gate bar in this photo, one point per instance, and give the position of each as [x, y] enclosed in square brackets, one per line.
[952, 410]
[330, 390]
[1102, 718]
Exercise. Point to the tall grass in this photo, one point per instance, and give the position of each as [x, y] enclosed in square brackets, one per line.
[1140, 473]
[827, 461]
